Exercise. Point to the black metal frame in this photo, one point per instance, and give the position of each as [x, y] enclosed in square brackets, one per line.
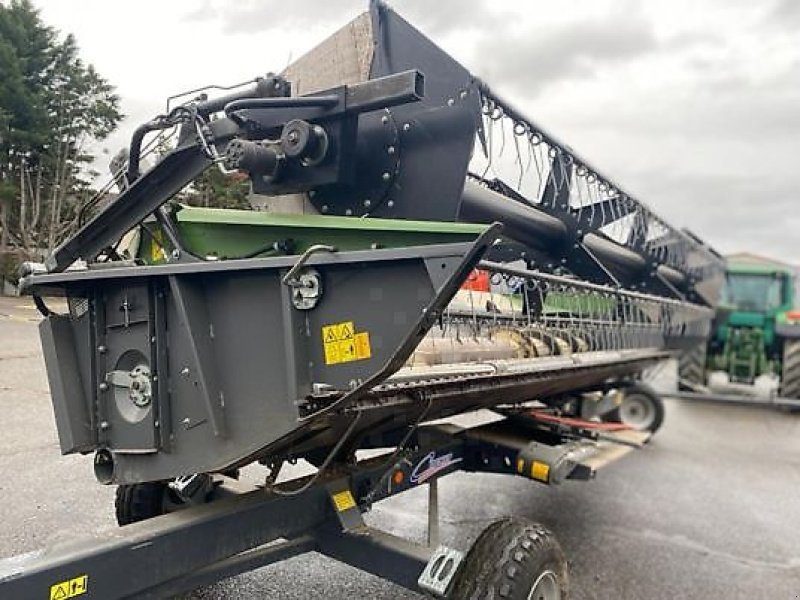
[245, 530]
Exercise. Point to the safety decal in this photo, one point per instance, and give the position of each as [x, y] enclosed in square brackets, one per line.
[342, 344]
[343, 501]
[77, 586]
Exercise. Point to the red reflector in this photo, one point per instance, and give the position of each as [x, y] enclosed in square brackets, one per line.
[478, 281]
[793, 315]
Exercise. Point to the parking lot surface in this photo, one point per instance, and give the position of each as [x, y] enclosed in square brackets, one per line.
[709, 509]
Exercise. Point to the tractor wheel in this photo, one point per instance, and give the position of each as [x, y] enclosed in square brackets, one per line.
[513, 559]
[692, 364]
[141, 501]
[641, 409]
[790, 378]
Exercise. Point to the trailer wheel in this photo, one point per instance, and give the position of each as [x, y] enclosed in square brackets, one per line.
[692, 364]
[513, 559]
[641, 409]
[141, 501]
[790, 378]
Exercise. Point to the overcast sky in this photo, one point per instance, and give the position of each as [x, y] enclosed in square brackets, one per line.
[691, 105]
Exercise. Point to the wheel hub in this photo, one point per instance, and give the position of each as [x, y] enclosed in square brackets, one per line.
[637, 412]
[545, 587]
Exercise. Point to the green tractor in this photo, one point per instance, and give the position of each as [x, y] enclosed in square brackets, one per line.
[753, 351]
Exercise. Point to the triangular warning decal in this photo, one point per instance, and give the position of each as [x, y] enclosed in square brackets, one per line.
[60, 591]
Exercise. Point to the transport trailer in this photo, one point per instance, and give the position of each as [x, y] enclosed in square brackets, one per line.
[226, 528]
[425, 251]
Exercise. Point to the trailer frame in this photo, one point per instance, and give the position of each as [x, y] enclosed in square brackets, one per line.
[247, 528]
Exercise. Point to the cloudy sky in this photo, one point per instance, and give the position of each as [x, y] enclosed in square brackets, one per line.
[691, 105]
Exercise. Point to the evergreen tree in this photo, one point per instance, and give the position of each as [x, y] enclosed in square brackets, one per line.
[53, 107]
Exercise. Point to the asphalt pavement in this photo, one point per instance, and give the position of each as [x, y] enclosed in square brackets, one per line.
[709, 509]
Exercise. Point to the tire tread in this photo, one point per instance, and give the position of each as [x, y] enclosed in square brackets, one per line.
[139, 501]
[790, 378]
[692, 364]
[496, 564]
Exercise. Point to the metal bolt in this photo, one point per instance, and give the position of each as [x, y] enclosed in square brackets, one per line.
[103, 386]
[384, 119]
[390, 203]
[407, 127]
[386, 176]
[153, 339]
[185, 371]
[367, 203]
[450, 102]
[105, 425]
[176, 254]
[324, 208]
[102, 349]
[463, 94]
[390, 150]
[186, 422]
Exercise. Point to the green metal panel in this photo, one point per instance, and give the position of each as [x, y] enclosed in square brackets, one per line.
[228, 233]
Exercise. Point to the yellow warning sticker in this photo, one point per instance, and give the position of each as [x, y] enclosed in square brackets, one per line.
[343, 501]
[342, 344]
[363, 349]
[540, 471]
[77, 586]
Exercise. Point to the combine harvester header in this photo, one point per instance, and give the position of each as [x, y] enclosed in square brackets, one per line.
[427, 251]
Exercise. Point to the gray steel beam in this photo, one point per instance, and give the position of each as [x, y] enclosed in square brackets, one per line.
[235, 565]
[136, 559]
[377, 552]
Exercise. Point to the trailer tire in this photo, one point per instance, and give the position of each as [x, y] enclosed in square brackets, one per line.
[790, 377]
[513, 559]
[692, 364]
[642, 409]
[140, 501]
